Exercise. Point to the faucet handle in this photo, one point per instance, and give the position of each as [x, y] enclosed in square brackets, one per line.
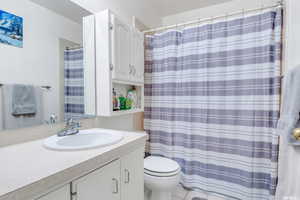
[69, 122]
[76, 124]
[72, 123]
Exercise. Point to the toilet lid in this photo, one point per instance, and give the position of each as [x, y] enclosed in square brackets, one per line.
[160, 165]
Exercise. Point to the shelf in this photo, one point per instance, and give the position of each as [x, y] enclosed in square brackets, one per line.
[126, 112]
[128, 83]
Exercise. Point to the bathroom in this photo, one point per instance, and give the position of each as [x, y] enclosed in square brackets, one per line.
[149, 100]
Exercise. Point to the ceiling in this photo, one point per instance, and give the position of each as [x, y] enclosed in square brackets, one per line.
[65, 8]
[148, 11]
[171, 7]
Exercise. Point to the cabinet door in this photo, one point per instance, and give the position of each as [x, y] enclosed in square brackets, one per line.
[137, 56]
[121, 49]
[132, 176]
[63, 193]
[102, 184]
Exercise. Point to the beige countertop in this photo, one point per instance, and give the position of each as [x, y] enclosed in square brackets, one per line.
[29, 170]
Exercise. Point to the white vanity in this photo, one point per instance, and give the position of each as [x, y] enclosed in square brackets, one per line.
[29, 171]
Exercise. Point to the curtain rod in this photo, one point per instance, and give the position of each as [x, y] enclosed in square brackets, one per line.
[280, 4]
[44, 87]
[74, 48]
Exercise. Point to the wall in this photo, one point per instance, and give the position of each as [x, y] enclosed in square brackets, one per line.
[292, 34]
[38, 61]
[124, 9]
[210, 11]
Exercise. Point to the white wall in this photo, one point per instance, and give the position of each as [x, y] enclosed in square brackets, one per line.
[38, 61]
[292, 57]
[143, 10]
[216, 10]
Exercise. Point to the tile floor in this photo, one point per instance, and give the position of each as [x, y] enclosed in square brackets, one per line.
[182, 194]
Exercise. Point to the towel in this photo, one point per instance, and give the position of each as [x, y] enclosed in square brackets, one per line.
[11, 121]
[289, 153]
[23, 100]
[289, 116]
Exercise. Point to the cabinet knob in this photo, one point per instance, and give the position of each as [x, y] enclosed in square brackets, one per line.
[116, 186]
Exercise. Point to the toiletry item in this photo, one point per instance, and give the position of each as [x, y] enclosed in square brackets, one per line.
[128, 103]
[132, 95]
[116, 105]
[122, 100]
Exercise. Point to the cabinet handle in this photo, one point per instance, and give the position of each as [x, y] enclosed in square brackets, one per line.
[127, 176]
[116, 186]
[130, 67]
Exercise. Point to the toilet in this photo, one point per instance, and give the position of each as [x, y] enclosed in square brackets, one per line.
[161, 175]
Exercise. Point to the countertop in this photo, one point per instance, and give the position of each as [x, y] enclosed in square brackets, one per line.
[28, 170]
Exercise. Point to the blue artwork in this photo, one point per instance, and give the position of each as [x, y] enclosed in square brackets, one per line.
[11, 29]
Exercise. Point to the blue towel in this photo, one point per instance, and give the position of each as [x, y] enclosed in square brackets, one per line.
[23, 100]
[291, 105]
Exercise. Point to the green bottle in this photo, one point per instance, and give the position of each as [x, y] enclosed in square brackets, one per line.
[122, 103]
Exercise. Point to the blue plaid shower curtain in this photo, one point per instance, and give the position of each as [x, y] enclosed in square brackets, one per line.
[212, 98]
[74, 84]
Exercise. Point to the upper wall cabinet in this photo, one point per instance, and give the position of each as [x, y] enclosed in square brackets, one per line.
[114, 64]
[127, 52]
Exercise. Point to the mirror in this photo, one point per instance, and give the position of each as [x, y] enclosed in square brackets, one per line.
[41, 73]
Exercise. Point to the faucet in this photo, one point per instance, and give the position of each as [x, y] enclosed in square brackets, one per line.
[71, 128]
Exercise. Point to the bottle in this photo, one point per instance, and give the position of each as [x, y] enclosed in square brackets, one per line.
[132, 96]
[115, 101]
[122, 101]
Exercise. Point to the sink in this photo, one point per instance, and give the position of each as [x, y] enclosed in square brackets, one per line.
[85, 139]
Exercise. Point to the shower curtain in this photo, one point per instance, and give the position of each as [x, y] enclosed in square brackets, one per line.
[74, 84]
[212, 98]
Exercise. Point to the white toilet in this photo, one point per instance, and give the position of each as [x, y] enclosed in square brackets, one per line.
[162, 175]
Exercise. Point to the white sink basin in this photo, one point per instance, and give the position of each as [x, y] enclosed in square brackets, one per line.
[85, 139]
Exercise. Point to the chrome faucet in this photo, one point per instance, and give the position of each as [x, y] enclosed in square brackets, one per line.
[71, 128]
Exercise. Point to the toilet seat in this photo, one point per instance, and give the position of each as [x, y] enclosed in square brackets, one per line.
[160, 167]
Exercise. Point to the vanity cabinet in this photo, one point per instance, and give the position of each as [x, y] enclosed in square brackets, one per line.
[63, 193]
[113, 59]
[103, 183]
[132, 176]
[122, 179]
